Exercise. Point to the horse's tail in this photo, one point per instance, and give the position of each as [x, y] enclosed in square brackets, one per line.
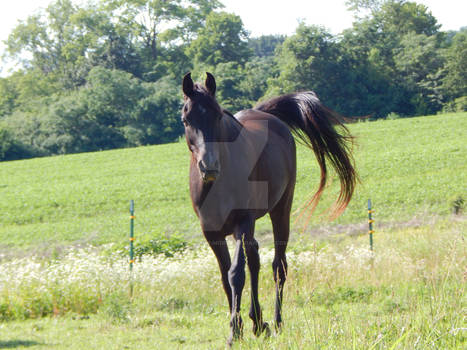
[313, 123]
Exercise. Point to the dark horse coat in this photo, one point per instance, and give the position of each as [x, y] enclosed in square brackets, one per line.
[244, 166]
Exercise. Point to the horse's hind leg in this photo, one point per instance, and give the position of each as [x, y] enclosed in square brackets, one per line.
[280, 218]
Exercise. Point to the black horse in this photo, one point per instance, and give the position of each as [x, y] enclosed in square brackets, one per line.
[244, 166]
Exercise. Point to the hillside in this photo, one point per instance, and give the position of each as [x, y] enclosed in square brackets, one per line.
[409, 293]
[410, 168]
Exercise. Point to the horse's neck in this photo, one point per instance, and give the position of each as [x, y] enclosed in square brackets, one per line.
[230, 128]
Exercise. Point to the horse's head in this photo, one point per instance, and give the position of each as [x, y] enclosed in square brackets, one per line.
[201, 116]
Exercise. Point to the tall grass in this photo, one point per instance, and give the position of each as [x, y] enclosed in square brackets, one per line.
[409, 293]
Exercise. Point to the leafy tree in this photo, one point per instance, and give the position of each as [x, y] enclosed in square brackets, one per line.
[306, 60]
[386, 40]
[24, 131]
[157, 115]
[67, 128]
[344, 78]
[146, 18]
[65, 41]
[455, 79]
[194, 17]
[112, 110]
[258, 72]
[111, 95]
[52, 41]
[107, 42]
[222, 40]
[359, 6]
[8, 96]
[419, 62]
[377, 35]
[159, 22]
[399, 16]
[405, 16]
[265, 45]
[11, 149]
[230, 94]
[172, 62]
[25, 87]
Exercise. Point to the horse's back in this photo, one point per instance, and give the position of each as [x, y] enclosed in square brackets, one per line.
[277, 163]
[251, 117]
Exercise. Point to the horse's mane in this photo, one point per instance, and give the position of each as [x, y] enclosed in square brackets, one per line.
[210, 101]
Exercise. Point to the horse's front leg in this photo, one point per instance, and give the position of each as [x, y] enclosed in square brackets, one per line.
[218, 245]
[242, 230]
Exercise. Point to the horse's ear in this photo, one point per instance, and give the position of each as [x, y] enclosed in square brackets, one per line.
[210, 84]
[188, 86]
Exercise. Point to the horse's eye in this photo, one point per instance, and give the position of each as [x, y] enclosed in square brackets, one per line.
[185, 108]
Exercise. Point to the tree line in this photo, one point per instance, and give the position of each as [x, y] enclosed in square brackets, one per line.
[107, 74]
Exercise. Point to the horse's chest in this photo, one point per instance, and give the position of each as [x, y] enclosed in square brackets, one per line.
[226, 196]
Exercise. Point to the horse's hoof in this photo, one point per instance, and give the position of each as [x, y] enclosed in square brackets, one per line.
[264, 328]
[267, 330]
[236, 332]
[278, 327]
[234, 336]
[229, 342]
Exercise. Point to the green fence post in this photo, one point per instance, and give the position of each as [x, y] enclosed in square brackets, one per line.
[132, 239]
[370, 224]
[132, 235]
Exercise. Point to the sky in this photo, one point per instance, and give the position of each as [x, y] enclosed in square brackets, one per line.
[259, 17]
[265, 16]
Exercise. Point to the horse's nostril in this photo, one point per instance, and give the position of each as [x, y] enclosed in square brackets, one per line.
[211, 168]
[209, 172]
[201, 165]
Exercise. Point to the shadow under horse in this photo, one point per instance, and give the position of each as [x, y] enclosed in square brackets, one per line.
[244, 166]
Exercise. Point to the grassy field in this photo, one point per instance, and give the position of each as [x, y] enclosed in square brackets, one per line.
[65, 285]
[409, 294]
[408, 167]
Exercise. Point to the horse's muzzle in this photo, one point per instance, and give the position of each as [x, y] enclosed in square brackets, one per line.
[210, 176]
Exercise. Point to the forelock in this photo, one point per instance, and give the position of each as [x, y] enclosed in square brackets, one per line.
[204, 97]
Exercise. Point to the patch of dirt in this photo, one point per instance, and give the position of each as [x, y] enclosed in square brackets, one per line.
[358, 229]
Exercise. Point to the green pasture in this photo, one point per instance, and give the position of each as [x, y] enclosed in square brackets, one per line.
[410, 168]
[63, 287]
[409, 295]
